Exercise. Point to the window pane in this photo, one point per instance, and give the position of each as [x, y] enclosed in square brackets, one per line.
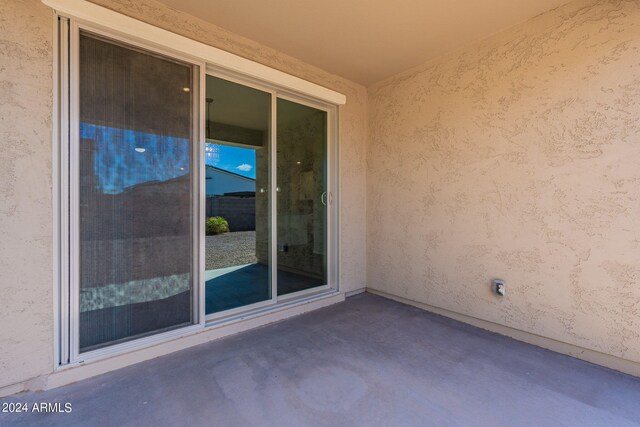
[302, 197]
[237, 182]
[136, 145]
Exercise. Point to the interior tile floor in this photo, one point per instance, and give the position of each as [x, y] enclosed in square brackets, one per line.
[367, 361]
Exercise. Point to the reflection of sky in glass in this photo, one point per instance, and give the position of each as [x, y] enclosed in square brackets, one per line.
[233, 159]
[123, 157]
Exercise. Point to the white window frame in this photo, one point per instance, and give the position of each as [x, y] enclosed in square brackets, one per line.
[80, 15]
[71, 164]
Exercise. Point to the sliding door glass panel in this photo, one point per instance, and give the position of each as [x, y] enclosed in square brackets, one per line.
[237, 158]
[302, 197]
[135, 192]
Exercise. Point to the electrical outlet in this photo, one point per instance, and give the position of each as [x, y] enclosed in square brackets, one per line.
[499, 287]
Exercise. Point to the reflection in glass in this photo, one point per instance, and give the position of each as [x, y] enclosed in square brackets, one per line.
[135, 193]
[237, 179]
[302, 197]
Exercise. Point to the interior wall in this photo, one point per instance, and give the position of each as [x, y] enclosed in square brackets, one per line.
[517, 158]
[26, 207]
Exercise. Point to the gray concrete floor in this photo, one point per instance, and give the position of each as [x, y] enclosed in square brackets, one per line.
[368, 361]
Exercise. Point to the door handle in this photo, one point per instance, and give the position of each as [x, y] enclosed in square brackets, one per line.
[323, 198]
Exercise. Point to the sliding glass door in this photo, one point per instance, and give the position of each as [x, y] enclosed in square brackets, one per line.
[135, 190]
[302, 197]
[238, 208]
[248, 229]
[190, 196]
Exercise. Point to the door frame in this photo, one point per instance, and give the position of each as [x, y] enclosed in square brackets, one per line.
[66, 247]
[331, 231]
[70, 168]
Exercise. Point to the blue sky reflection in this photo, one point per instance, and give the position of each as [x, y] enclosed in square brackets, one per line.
[124, 157]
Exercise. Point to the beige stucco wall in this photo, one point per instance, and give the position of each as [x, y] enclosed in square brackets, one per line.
[519, 158]
[26, 216]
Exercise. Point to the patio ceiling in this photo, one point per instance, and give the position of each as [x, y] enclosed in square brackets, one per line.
[365, 40]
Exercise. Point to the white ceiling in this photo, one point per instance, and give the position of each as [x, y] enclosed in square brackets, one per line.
[365, 40]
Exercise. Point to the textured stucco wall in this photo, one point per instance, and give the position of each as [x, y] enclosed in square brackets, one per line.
[517, 157]
[26, 304]
[26, 225]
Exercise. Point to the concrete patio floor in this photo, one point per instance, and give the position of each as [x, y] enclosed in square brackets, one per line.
[367, 361]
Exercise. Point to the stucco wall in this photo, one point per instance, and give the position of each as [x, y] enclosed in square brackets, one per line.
[26, 216]
[517, 157]
[26, 225]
